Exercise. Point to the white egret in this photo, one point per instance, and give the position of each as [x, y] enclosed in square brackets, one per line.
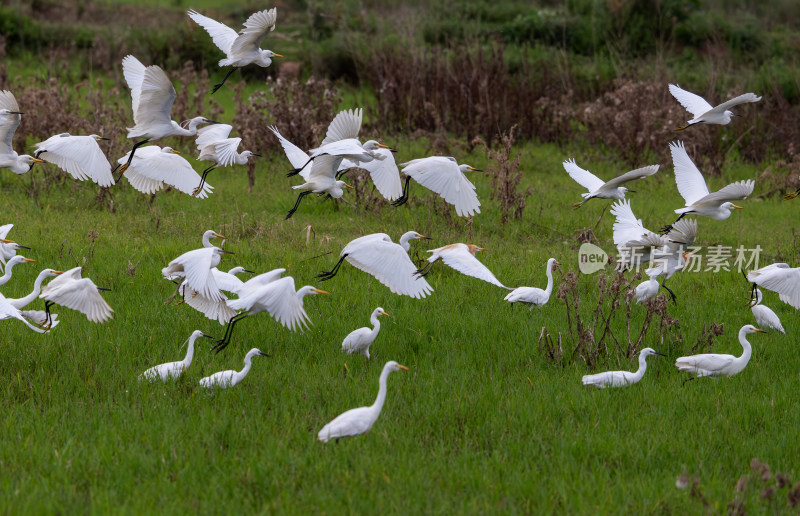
[612, 189]
[444, 176]
[8, 248]
[169, 370]
[461, 257]
[225, 379]
[621, 378]
[359, 341]
[10, 265]
[22, 302]
[215, 146]
[10, 118]
[383, 171]
[359, 420]
[81, 294]
[195, 266]
[533, 295]
[80, 156]
[780, 278]
[152, 96]
[215, 310]
[703, 112]
[7, 311]
[153, 166]
[692, 187]
[385, 260]
[321, 180]
[764, 315]
[647, 289]
[712, 364]
[242, 48]
[267, 293]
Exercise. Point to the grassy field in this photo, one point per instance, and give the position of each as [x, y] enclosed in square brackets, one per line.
[481, 423]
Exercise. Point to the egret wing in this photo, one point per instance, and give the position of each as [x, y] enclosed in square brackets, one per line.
[9, 312]
[80, 156]
[741, 99]
[156, 98]
[683, 231]
[279, 298]
[4, 230]
[256, 282]
[388, 263]
[463, 261]
[215, 310]
[711, 362]
[226, 151]
[196, 267]
[257, 26]
[626, 227]
[384, 173]
[583, 177]
[784, 281]
[441, 175]
[227, 282]
[732, 192]
[222, 35]
[324, 167]
[297, 156]
[345, 124]
[209, 134]
[691, 184]
[694, 104]
[627, 177]
[81, 295]
[133, 71]
[8, 123]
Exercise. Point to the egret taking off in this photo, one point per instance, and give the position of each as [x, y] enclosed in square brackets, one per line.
[169, 370]
[80, 156]
[215, 146]
[444, 176]
[77, 293]
[780, 278]
[225, 379]
[764, 315]
[703, 112]
[712, 364]
[359, 341]
[621, 378]
[612, 189]
[10, 118]
[153, 167]
[461, 257]
[533, 295]
[359, 420]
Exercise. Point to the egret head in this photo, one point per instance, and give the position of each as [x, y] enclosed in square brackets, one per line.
[474, 249]
[265, 57]
[17, 259]
[98, 138]
[239, 270]
[49, 273]
[552, 263]
[394, 366]
[650, 351]
[247, 154]
[197, 333]
[255, 352]
[211, 234]
[309, 290]
[467, 168]
[169, 150]
[379, 311]
[749, 328]
[30, 160]
[192, 123]
[9, 112]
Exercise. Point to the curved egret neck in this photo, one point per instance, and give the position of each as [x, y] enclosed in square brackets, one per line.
[405, 238]
[549, 289]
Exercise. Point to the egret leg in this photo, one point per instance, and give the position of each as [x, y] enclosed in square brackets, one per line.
[47, 305]
[423, 271]
[577, 205]
[671, 293]
[666, 229]
[226, 339]
[688, 380]
[326, 275]
[130, 157]
[403, 198]
[296, 171]
[341, 173]
[787, 197]
[218, 86]
[296, 204]
[199, 189]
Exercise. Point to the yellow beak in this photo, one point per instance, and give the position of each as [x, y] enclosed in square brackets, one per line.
[276, 55]
[759, 331]
[348, 186]
[737, 207]
[218, 235]
[384, 313]
[319, 291]
[37, 160]
[28, 260]
[174, 151]
[58, 272]
[404, 368]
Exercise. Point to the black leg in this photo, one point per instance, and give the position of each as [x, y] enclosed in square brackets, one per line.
[671, 293]
[403, 198]
[197, 190]
[341, 173]
[326, 275]
[296, 171]
[130, 156]
[47, 305]
[688, 380]
[226, 339]
[218, 86]
[297, 204]
[666, 229]
[423, 271]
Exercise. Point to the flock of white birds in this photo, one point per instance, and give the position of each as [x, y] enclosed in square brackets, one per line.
[201, 285]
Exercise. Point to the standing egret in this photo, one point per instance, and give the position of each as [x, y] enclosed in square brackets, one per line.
[647, 289]
[712, 364]
[215, 310]
[444, 176]
[81, 294]
[764, 315]
[359, 420]
[692, 187]
[703, 112]
[621, 378]
[242, 48]
[275, 296]
[359, 341]
[22, 302]
[387, 261]
[152, 96]
[10, 118]
[612, 189]
[10, 265]
[225, 379]
[533, 295]
[461, 257]
[154, 166]
[7, 311]
[8, 248]
[80, 156]
[215, 146]
[174, 369]
[780, 278]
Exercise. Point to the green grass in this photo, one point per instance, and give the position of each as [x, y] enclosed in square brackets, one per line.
[481, 423]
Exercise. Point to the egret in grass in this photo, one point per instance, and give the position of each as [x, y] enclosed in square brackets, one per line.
[764, 315]
[461, 257]
[533, 295]
[712, 364]
[215, 146]
[225, 379]
[244, 47]
[7, 311]
[169, 370]
[621, 378]
[215, 310]
[8, 248]
[152, 96]
[612, 189]
[359, 341]
[10, 265]
[80, 156]
[780, 278]
[22, 302]
[444, 176]
[692, 187]
[385, 260]
[647, 289]
[703, 112]
[10, 118]
[359, 420]
[154, 166]
[78, 293]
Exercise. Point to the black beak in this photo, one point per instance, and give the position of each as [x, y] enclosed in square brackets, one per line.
[631, 191]
[211, 121]
[226, 252]
[206, 336]
[23, 247]
[16, 113]
[257, 155]
[103, 138]
[263, 354]
[249, 272]
[659, 354]
[103, 288]
[734, 114]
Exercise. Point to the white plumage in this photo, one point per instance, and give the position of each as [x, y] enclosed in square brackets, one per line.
[10, 118]
[10, 266]
[195, 266]
[77, 293]
[712, 364]
[225, 379]
[461, 257]
[359, 341]
[169, 370]
[647, 289]
[22, 302]
[8, 248]
[764, 315]
[80, 156]
[780, 278]
[7, 311]
[444, 176]
[383, 171]
[703, 112]
[621, 378]
[533, 295]
[215, 310]
[152, 167]
[596, 187]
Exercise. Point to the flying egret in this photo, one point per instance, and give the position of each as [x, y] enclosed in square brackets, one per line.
[267, 293]
[780, 278]
[7, 311]
[10, 118]
[647, 289]
[383, 172]
[444, 176]
[387, 261]
[712, 364]
[152, 96]
[321, 180]
[169, 370]
[612, 189]
[195, 266]
[22, 302]
[154, 166]
[215, 146]
[359, 420]
[225, 379]
[8, 248]
[703, 112]
[359, 341]
[692, 187]
[461, 257]
[621, 378]
[177, 273]
[81, 294]
[10, 265]
[242, 48]
[80, 156]
[764, 315]
[533, 295]
[215, 310]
